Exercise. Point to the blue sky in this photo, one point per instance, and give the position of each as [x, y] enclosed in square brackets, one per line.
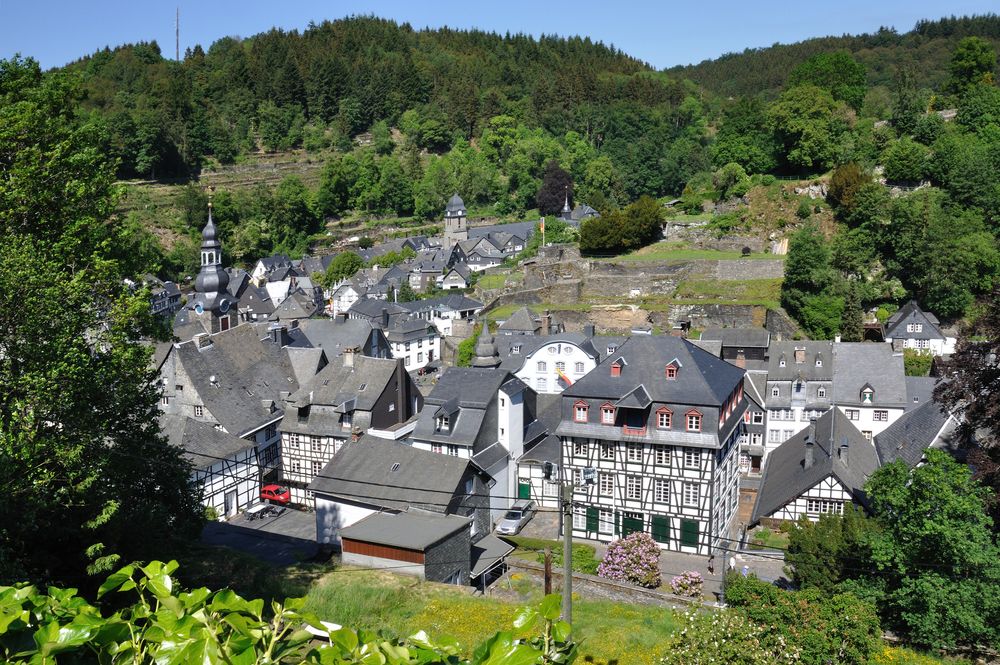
[662, 32]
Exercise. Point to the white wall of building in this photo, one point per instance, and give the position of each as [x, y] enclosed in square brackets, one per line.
[332, 516]
[540, 367]
[826, 496]
[419, 352]
[230, 485]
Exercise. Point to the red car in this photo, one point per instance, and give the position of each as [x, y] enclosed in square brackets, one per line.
[276, 494]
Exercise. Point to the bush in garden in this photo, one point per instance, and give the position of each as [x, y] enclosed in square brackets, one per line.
[688, 584]
[725, 636]
[634, 559]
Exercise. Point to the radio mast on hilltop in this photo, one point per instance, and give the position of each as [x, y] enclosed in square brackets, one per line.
[177, 35]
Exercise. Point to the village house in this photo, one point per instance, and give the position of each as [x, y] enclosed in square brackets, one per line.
[348, 397]
[441, 311]
[912, 328]
[659, 421]
[799, 388]
[869, 385]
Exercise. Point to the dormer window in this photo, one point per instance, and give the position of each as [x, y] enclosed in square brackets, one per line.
[608, 414]
[867, 395]
[819, 361]
[580, 411]
[781, 362]
[346, 420]
[693, 421]
[516, 348]
[443, 423]
[775, 392]
[671, 372]
[616, 367]
[611, 349]
[664, 418]
[821, 392]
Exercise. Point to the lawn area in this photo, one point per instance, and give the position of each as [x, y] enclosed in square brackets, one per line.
[533, 549]
[767, 538]
[676, 251]
[763, 291]
[498, 281]
[401, 606]
[506, 310]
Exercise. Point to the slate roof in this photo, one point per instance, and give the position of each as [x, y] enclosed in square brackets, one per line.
[448, 303]
[362, 471]
[487, 552]
[469, 393]
[239, 279]
[895, 327]
[806, 370]
[914, 432]
[455, 204]
[520, 229]
[919, 390]
[411, 529]
[200, 441]
[702, 378]
[371, 309]
[334, 335]
[298, 305]
[405, 330]
[785, 475]
[739, 337]
[271, 262]
[522, 321]
[856, 364]
[248, 373]
[310, 265]
[755, 387]
[337, 383]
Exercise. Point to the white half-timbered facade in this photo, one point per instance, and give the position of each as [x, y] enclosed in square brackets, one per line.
[660, 422]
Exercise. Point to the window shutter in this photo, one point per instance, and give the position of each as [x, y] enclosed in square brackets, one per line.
[660, 527]
[617, 523]
[689, 533]
[593, 518]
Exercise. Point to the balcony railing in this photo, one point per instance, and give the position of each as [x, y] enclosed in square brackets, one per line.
[634, 431]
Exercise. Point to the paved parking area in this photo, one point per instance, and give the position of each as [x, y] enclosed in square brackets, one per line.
[279, 540]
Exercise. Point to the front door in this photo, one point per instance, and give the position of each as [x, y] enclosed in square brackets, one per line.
[230, 503]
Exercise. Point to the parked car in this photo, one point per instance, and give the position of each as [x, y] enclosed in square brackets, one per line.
[514, 519]
[276, 494]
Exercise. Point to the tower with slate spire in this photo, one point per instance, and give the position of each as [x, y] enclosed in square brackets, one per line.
[456, 226]
[211, 302]
[487, 356]
[566, 213]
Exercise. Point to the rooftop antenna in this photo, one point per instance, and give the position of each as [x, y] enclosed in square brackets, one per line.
[177, 35]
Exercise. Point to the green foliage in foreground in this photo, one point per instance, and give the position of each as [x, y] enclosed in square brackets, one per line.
[164, 624]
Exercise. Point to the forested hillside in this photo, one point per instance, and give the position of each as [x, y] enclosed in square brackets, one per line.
[925, 50]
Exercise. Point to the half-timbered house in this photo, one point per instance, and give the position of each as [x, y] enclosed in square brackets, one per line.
[660, 422]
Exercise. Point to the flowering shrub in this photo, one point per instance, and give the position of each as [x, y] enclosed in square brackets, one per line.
[689, 584]
[634, 559]
[725, 636]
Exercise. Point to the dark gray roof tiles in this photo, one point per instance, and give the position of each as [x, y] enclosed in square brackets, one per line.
[391, 475]
[201, 442]
[857, 364]
[449, 303]
[910, 313]
[522, 320]
[411, 529]
[246, 370]
[782, 365]
[786, 476]
[702, 378]
[919, 390]
[742, 337]
[915, 431]
[338, 382]
[334, 335]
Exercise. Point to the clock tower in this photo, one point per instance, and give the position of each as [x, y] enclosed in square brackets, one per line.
[211, 302]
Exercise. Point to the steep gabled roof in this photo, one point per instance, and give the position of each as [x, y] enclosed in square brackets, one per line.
[859, 364]
[787, 477]
[337, 383]
[201, 442]
[366, 471]
[909, 313]
[914, 432]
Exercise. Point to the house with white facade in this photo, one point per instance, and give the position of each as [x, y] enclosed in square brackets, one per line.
[799, 388]
[416, 342]
[912, 328]
[441, 311]
[869, 385]
[552, 363]
[818, 471]
[659, 420]
[224, 467]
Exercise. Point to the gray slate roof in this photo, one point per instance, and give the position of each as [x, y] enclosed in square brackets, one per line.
[487, 552]
[362, 472]
[702, 378]
[857, 364]
[785, 475]
[411, 529]
[336, 383]
[248, 373]
[895, 327]
[915, 431]
[742, 337]
[200, 441]
[465, 394]
[806, 370]
[448, 303]
[333, 335]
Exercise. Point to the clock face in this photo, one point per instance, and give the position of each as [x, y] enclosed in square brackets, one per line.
[224, 306]
[198, 309]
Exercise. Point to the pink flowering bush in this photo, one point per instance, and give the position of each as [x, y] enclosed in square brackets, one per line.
[688, 584]
[634, 559]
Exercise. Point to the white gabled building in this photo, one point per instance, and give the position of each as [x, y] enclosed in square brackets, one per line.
[818, 471]
[660, 420]
[555, 363]
[869, 385]
[912, 328]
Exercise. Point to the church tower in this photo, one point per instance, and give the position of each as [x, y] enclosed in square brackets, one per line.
[456, 227]
[215, 308]
[487, 356]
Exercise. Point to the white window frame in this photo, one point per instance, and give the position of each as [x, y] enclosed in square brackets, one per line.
[692, 458]
[605, 521]
[633, 487]
[692, 494]
[633, 452]
[661, 454]
[607, 450]
[606, 484]
[661, 490]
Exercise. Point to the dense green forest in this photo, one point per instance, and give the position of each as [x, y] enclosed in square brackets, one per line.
[403, 118]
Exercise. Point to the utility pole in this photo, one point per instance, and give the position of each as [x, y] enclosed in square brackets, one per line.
[177, 35]
[567, 599]
[548, 570]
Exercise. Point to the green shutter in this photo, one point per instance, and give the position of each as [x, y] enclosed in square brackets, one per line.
[617, 523]
[630, 525]
[660, 526]
[524, 490]
[593, 519]
[689, 533]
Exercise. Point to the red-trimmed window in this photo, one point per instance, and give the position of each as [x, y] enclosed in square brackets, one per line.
[580, 411]
[664, 418]
[693, 421]
[607, 414]
[616, 368]
[671, 372]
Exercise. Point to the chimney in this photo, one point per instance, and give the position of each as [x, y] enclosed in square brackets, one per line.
[740, 360]
[588, 330]
[836, 339]
[546, 322]
[279, 335]
[842, 451]
[810, 443]
[800, 356]
[355, 434]
[341, 317]
[203, 340]
[349, 352]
